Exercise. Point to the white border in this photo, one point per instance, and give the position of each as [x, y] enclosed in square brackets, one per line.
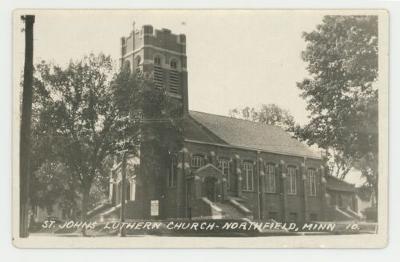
[8, 252]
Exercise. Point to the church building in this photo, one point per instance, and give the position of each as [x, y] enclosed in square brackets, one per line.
[226, 167]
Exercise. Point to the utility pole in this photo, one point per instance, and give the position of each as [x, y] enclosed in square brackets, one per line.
[123, 191]
[25, 135]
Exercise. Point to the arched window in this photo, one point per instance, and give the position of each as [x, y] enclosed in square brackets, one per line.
[174, 77]
[158, 72]
[138, 60]
[270, 184]
[292, 180]
[248, 173]
[312, 182]
[197, 161]
[157, 61]
[173, 64]
[132, 189]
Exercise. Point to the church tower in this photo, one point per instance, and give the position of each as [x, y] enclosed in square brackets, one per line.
[161, 56]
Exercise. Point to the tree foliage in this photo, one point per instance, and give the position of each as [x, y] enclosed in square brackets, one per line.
[53, 187]
[341, 94]
[80, 120]
[269, 114]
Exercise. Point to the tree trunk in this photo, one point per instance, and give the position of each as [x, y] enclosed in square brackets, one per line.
[85, 202]
[84, 209]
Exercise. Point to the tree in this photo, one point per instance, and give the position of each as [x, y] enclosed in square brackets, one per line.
[53, 185]
[51, 179]
[80, 120]
[341, 95]
[270, 114]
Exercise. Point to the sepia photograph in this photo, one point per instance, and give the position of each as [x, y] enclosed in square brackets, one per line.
[200, 128]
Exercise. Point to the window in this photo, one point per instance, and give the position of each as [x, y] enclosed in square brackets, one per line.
[197, 161]
[138, 60]
[270, 186]
[247, 182]
[157, 61]
[224, 166]
[172, 174]
[173, 64]
[132, 189]
[138, 70]
[312, 182]
[158, 73]
[292, 180]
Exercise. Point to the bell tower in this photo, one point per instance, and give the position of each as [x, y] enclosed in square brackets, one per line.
[161, 55]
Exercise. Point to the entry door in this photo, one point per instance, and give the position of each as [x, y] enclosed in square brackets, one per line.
[232, 183]
[210, 188]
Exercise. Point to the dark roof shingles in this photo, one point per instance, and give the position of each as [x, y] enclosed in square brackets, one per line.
[194, 131]
[243, 133]
[336, 184]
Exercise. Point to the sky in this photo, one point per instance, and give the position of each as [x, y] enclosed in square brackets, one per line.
[235, 58]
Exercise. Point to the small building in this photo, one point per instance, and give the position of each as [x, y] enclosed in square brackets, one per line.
[342, 200]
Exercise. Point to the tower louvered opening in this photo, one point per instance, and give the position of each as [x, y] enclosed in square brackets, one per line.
[158, 76]
[174, 82]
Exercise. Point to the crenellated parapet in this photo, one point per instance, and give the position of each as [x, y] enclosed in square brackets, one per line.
[159, 55]
[158, 41]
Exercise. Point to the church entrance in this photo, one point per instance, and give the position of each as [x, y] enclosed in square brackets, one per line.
[207, 182]
[210, 186]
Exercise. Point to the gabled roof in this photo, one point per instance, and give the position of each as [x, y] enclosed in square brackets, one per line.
[336, 184]
[209, 128]
[208, 166]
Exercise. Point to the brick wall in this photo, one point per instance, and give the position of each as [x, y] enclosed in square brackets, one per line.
[278, 205]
